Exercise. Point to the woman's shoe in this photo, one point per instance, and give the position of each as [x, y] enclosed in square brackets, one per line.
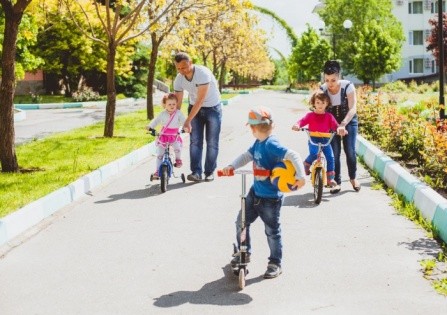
[335, 190]
[355, 184]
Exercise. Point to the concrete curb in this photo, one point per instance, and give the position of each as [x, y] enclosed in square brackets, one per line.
[432, 205]
[126, 101]
[14, 224]
[19, 115]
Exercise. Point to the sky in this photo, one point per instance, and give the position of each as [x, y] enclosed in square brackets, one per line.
[295, 13]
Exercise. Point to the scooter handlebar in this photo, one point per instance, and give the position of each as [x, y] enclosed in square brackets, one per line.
[220, 173]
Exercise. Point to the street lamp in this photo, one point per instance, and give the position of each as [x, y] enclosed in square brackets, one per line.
[347, 25]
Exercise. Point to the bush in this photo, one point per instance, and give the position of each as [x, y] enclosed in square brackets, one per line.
[85, 95]
[404, 130]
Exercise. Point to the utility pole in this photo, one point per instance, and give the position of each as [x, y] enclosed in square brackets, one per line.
[441, 60]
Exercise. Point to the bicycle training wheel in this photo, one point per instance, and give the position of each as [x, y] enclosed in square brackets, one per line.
[164, 178]
[318, 185]
[241, 278]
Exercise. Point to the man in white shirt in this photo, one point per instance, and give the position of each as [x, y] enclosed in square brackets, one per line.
[204, 114]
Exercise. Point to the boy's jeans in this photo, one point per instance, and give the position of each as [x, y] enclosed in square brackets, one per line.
[268, 210]
[349, 148]
[207, 122]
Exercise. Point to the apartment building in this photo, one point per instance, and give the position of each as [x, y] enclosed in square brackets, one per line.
[414, 15]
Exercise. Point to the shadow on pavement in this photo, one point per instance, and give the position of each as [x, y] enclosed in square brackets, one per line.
[224, 292]
[424, 246]
[149, 191]
[305, 200]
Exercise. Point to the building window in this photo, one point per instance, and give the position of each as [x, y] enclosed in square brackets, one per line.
[417, 65]
[416, 38]
[415, 7]
[434, 6]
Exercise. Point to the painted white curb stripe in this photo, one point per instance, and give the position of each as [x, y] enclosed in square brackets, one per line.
[432, 205]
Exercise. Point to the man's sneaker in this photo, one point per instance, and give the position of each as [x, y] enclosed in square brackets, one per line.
[194, 177]
[273, 270]
[209, 178]
[178, 163]
[237, 260]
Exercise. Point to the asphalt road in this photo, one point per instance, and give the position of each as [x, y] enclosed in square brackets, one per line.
[129, 249]
[41, 123]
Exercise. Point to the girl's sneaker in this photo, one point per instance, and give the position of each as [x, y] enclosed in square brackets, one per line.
[155, 175]
[307, 168]
[178, 163]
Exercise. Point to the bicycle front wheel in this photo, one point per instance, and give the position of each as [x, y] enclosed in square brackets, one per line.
[164, 178]
[318, 185]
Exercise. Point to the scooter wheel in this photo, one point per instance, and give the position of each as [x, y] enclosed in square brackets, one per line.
[152, 177]
[241, 278]
[183, 178]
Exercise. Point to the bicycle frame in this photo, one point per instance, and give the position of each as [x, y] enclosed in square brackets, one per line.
[320, 162]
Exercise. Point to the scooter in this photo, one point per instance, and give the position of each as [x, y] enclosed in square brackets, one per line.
[241, 269]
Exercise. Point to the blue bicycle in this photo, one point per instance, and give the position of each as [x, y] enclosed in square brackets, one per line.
[166, 169]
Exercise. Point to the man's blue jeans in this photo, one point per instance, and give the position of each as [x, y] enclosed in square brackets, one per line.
[206, 123]
[349, 148]
[268, 210]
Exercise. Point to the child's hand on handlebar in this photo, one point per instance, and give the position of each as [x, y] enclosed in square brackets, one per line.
[296, 128]
[228, 171]
[299, 183]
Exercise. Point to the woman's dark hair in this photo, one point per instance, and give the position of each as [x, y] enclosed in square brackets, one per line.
[331, 67]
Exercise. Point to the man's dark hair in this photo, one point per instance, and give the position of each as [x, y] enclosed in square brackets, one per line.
[331, 67]
[181, 56]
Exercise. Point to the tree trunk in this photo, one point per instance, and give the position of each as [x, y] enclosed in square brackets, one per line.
[151, 77]
[111, 92]
[222, 75]
[8, 156]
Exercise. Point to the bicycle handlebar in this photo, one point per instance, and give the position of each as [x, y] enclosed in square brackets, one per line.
[333, 133]
[233, 172]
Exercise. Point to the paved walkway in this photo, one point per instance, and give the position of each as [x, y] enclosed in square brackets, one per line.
[128, 249]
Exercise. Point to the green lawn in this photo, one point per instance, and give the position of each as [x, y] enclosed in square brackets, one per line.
[65, 157]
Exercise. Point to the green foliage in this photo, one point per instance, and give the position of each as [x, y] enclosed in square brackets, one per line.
[375, 52]
[67, 52]
[308, 56]
[408, 135]
[395, 86]
[26, 59]
[374, 27]
[135, 84]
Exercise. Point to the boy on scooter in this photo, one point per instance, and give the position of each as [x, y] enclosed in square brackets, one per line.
[264, 200]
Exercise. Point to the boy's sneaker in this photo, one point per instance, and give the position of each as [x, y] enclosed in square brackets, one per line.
[209, 178]
[273, 271]
[237, 260]
[178, 163]
[193, 177]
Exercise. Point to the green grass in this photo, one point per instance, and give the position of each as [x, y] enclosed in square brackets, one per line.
[27, 99]
[65, 157]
